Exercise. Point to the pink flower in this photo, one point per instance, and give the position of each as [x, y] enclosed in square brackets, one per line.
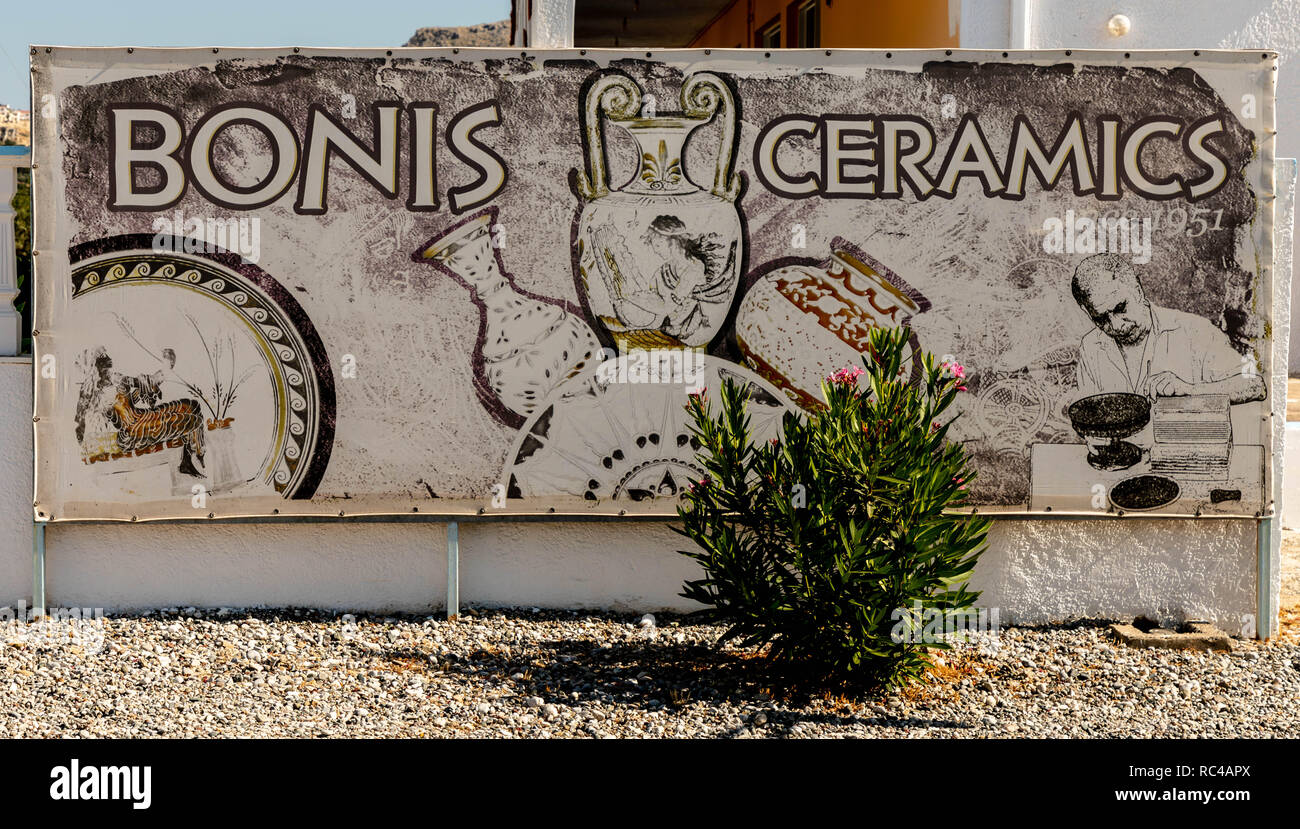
[960, 480]
[846, 376]
[953, 369]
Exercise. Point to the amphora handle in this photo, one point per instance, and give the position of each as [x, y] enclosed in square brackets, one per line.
[617, 96]
[705, 95]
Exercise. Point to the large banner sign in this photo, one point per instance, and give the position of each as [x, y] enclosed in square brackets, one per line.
[457, 282]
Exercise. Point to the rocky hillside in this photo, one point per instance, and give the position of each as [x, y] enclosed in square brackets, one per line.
[484, 34]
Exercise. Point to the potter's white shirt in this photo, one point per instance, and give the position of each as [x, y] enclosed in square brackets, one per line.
[1188, 345]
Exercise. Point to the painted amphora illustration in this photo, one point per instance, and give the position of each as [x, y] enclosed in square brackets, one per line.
[659, 258]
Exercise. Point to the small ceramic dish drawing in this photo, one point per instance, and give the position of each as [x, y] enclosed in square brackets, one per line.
[1144, 492]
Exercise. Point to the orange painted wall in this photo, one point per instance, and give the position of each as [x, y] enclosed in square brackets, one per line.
[898, 24]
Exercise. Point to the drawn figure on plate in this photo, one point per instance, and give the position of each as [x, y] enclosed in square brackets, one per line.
[91, 401]
[123, 414]
[143, 422]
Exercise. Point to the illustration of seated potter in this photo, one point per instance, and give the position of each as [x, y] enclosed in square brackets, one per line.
[1147, 349]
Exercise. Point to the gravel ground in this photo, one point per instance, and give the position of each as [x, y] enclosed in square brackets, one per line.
[528, 673]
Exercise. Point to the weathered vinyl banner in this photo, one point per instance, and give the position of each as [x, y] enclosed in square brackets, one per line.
[476, 281]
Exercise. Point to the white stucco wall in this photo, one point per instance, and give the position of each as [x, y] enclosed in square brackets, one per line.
[1050, 570]
[15, 480]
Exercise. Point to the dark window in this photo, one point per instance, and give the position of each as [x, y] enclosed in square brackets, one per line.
[805, 24]
[769, 37]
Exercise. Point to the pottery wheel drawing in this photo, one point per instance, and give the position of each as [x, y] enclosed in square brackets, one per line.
[599, 440]
[1012, 411]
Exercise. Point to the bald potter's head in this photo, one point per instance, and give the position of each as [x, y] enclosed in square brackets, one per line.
[1107, 289]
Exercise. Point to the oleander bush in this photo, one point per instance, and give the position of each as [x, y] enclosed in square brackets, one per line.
[829, 545]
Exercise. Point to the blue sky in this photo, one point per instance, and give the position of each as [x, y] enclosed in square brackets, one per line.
[377, 23]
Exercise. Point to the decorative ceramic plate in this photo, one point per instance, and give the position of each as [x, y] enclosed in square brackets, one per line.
[194, 368]
[599, 439]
